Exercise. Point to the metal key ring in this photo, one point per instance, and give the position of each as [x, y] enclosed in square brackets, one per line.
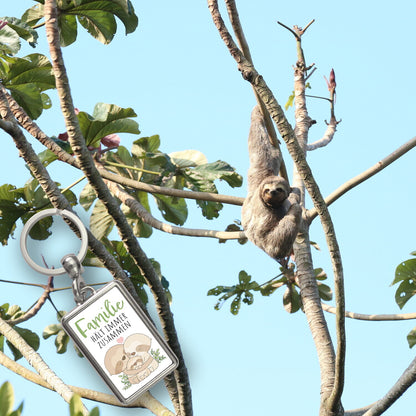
[47, 213]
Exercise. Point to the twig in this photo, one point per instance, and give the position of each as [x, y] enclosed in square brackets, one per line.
[36, 308]
[372, 317]
[352, 183]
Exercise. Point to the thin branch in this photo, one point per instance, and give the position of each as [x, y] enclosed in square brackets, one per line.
[179, 389]
[250, 74]
[36, 361]
[154, 189]
[352, 183]
[148, 218]
[146, 400]
[372, 317]
[325, 139]
[36, 308]
[403, 383]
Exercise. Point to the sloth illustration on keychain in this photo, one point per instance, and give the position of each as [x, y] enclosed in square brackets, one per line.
[108, 326]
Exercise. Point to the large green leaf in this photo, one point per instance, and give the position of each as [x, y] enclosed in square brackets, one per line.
[68, 29]
[406, 275]
[26, 79]
[9, 41]
[106, 119]
[10, 210]
[173, 209]
[23, 29]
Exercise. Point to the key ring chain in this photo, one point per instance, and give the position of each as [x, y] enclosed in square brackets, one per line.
[47, 213]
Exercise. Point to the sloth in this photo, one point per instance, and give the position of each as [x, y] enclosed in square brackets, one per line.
[271, 213]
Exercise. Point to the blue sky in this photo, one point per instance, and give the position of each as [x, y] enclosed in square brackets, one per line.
[179, 78]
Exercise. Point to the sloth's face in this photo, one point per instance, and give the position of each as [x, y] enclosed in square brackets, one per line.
[274, 194]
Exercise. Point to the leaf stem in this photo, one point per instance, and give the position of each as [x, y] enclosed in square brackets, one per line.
[120, 165]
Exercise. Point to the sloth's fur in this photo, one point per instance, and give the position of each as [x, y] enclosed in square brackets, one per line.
[271, 212]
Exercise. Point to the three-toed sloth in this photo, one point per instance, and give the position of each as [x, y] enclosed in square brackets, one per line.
[271, 212]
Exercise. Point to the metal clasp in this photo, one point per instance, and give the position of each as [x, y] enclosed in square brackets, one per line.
[74, 269]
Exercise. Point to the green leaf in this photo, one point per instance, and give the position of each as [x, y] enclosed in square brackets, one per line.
[33, 15]
[9, 41]
[87, 197]
[106, 119]
[75, 406]
[6, 399]
[188, 158]
[68, 29]
[97, 16]
[405, 270]
[30, 337]
[320, 274]
[244, 278]
[61, 342]
[24, 30]
[173, 209]
[26, 79]
[411, 338]
[10, 210]
[219, 170]
[235, 305]
[95, 412]
[406, 274]
[101, 223]
[291, 299]
[290, 100]
[51, 330]
[145, 145]
[325, 292]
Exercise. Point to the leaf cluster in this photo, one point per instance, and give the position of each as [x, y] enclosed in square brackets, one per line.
[243, 291]
[22, 203]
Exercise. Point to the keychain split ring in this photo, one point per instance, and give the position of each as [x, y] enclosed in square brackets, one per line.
[47, 213]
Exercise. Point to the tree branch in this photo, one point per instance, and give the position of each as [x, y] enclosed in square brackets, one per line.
[148, 218]
[250, 74]
[146, 400]
[403, 383]
[179, 390]
[372, 317]
[36, 361]
[352, 183]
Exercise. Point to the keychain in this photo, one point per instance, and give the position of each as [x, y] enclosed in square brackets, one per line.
[107, 325]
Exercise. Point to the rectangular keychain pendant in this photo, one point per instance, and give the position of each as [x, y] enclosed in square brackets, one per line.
[120, 342]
